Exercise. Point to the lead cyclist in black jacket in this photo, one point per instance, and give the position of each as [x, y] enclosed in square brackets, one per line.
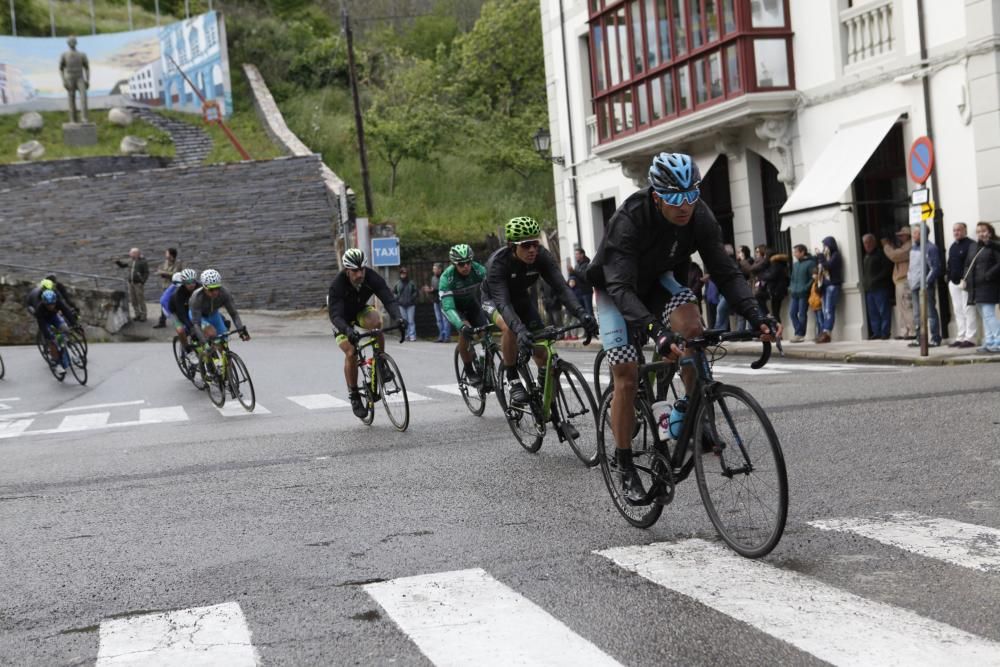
[510, 272]
[651, 238]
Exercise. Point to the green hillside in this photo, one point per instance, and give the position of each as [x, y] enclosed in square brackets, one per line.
[109, 136]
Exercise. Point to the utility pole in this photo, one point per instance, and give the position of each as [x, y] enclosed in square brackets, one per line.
[13, 19]
[358, 122]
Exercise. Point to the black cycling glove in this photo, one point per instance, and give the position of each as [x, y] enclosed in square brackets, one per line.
[466, 332]
[760, 318]
[525, 342]
[589, 323]
[352, 336]
[661, 337]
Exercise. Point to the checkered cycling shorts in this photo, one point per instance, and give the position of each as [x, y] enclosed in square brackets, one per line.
[630, 353]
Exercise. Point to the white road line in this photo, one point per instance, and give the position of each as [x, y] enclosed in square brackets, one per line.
[12, 429]
[83, 422]
[411, 396]
[216, 635]
[319, 401]
[97, 406]
[234, 409]
[962, 544]
[745, 370]
[832, 624]
[829, 368]
[173, 413]
[467, 617]
[446, 388]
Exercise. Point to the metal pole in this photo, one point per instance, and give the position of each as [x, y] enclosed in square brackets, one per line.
[924, 324]
[128, 4]
[93, 20]
[156, 8]
[923, 289]
[569, 123]
[358, 122]
[187, 9]
[52, 18]
[13, 19]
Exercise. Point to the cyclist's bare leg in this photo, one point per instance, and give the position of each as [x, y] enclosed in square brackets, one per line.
[508, 343]
[372, 320]
[350, 364]
[465, 348]
[625, 377]
[686, 321]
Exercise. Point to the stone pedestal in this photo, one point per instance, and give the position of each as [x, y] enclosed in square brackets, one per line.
[79, 134]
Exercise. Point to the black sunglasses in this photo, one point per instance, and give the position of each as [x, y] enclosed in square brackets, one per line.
[465, 263]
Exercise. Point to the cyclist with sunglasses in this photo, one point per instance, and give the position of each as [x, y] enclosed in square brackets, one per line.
[459, 292]
[510, 273]
[648, 240]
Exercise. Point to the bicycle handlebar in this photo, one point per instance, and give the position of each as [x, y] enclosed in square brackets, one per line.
[226, 334]
[371, 333]
[552, 333]
[716, 336]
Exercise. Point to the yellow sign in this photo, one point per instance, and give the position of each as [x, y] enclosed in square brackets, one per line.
[927, 211]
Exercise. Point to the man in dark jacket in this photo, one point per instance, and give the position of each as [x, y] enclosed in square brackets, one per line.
[138, 273]
[406, 295]
[578, 279]
[914, 277]
[798, 308]
[965, 312]
[876, 281]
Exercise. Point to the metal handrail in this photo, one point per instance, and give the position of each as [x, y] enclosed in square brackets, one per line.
[61, 272]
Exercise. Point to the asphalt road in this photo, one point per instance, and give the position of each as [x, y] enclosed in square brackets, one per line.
[299, 527]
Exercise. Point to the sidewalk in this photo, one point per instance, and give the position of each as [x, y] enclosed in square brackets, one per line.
[313, 322]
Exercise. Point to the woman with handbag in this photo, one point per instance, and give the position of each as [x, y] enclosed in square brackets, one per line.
[982, 281]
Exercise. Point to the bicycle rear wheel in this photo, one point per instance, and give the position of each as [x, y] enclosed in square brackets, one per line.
[525, 421]
[474, 397]
[602, 373]
[743, 482]
[77, 360]
[643, 455]
[577, 408]
[2, 369]
[78, 334]
[394, 400]
[240, 384]
[183, 362]
[215, 380]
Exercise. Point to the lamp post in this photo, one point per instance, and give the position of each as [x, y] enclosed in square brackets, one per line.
[542, 141]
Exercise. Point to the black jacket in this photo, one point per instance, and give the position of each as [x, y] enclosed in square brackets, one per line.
[508, 278]
[834, 264]
[983, 281]
[345, 302]
[639, 246]
[876, 271]
[958, 258]
[579, 274]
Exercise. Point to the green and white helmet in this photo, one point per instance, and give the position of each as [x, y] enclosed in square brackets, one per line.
[520, 229]
[460, 253]
[354, 258]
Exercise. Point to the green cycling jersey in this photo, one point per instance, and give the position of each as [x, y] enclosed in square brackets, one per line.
[460, 292]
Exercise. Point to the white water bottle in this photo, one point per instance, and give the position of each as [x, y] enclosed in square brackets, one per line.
[661, 416]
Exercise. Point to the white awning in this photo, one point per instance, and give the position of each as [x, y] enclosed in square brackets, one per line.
[817, 198]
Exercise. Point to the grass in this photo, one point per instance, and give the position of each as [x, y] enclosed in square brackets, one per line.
[109, 137]
[72, 17]
[244, 124]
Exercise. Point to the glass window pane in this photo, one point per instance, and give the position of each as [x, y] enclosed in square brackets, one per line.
[767, 13]
[614, 74]
[661, 8]
[668, 93]
[619, 124]
[652, 55]
[623, 44]
[637, 63]
[712, 19]
[597, 58]
[628, 108]
[729, 15]
[680, 30]
[700, 88]
[695, 9]
[683, 88]
[643, 105]
[594, 5]
[771, 59]
[732, 69]
[603, 120]
[715, 74]
[656, 91]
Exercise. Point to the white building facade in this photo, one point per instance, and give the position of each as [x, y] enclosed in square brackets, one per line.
[146, 85]
[800, 114]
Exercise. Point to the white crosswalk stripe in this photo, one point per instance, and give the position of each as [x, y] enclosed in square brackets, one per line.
[11, 428]
[962, 544]
[234, 409]
[216, 635]
[446, 388]
[319, 401]
[467, 617]
[83, 422]
[831, 624]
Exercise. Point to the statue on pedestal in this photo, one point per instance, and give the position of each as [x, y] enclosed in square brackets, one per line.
[75, 70]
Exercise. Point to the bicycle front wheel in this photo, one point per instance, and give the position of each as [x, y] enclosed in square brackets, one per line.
[525, 421]
[740, 471]
[602, 373]
[577, 411]
[2, 369]
[473, 396]
[240, 384]
[394, 400]
[77, 360]
[215, 380]
[183, 362]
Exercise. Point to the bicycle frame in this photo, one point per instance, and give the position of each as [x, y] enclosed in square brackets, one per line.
[372, 342]
[547, 342]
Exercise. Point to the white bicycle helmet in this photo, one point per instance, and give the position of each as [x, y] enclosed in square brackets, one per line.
[211, 278]
[354, 258]
[177, 278]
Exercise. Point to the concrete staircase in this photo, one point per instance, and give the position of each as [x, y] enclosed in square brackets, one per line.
[191, 143]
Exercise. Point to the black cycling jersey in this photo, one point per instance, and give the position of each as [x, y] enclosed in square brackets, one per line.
[640, 245]
[508, 279]
[345, 301]
[179, 304]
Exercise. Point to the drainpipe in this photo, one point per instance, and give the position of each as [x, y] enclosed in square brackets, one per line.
[569, 122]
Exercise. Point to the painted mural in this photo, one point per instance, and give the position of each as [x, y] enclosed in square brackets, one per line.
[142, 65]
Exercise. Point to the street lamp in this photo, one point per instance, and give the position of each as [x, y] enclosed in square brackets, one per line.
[542, 141]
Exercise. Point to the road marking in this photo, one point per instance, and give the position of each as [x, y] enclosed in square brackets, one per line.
[411, 396]
[833, 625]
[12, 429]
[216, 635]
[319, 401]
[830, 368]
[3, 402]
[744, 370]
[234, 409]
[446, 388]
[962, 544]
[467, 617]
[83, 422]
[174, 413]
[97, 406]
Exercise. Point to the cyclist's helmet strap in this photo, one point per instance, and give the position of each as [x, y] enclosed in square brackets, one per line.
[354, 258]
[460, 253]
[673, 172]
[521, 228]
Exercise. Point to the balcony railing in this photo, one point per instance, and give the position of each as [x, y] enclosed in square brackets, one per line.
[868, 31]
[592, 138]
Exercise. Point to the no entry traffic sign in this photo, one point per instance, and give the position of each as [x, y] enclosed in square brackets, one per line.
[921, 160]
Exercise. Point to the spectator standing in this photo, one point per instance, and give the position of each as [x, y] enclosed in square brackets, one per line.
[168, 267]
[578, 279]
[914, 278]
[831, 266]
[443, 325]
[744, 259]
[983, 283]
[712, 298]
[770, 272]
[802, 276]
[406, 294]
[876, 281]
[899, 254]
[553, 306]
[696, 282]
[138, 273]
[721, 320]
[965, 312]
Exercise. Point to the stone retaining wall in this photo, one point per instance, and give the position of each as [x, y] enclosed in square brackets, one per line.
[268, 226]
[100, 309]
[23, 173]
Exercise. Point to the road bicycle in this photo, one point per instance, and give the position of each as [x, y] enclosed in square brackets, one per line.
[187, 361]
[726, 438]
[561, 395]
[222, 371]
[78, 331]
[487, 362]
[378, 386]
[72, 354]
[2, 369]
[660, 383]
